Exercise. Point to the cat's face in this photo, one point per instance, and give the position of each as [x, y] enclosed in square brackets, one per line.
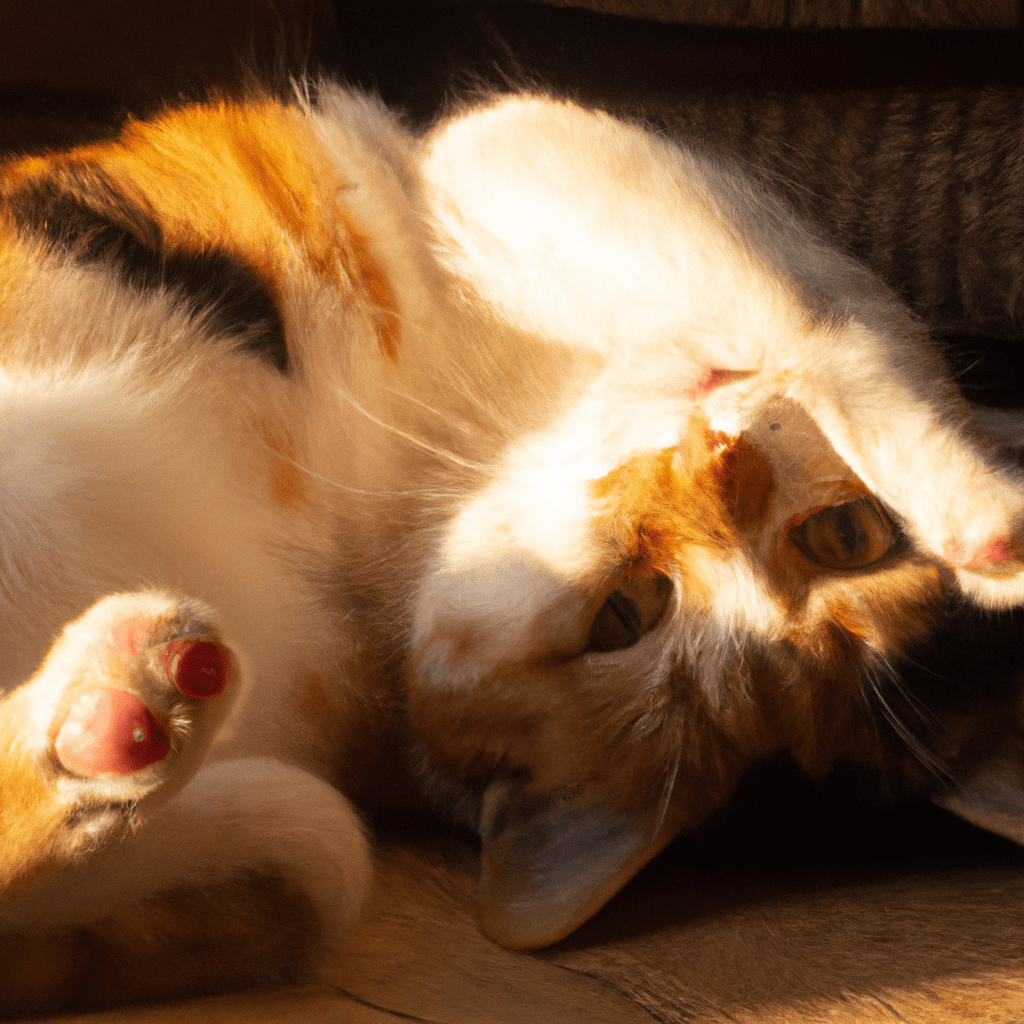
[764, 494]
[616, 627]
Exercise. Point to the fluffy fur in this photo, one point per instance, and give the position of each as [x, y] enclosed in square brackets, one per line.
[548, 456]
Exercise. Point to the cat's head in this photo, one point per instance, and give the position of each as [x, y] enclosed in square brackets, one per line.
[604, 646]
[759, 499]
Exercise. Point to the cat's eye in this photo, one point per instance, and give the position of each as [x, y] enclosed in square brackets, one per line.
[629, 612]
[852, 535]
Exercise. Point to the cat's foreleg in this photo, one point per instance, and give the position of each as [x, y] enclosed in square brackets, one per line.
[146, 870]
[892, 413]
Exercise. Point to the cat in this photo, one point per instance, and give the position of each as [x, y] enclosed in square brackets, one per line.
[544, 467]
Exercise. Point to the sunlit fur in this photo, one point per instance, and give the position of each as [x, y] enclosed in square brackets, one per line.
[440, 402]
[145, 446]
[746, 376]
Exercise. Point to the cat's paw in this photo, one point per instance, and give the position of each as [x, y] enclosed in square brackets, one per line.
[992, 573]
[132, 678]
[985, 520]
[117, 719]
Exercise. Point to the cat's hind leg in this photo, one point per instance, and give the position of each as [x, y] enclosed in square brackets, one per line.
[116, 720]
[132, 867]
[248, 877]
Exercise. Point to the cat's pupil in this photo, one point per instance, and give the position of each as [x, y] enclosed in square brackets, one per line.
[846, 530]
[617, 624]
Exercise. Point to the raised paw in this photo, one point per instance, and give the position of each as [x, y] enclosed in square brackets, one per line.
[985, 547]
[143, 663]
[117, 719]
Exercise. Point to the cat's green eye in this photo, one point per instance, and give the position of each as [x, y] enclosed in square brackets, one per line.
[629, 612]
[852, 535]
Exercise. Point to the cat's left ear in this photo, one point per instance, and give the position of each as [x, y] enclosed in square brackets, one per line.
[551, 860]
[992, 795]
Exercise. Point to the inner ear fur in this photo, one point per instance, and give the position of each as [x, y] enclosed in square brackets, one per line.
[550, 860]
[992, 796]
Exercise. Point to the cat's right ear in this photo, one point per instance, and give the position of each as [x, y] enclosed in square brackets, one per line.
[549, 861]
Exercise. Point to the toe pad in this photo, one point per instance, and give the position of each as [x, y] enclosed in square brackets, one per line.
[110, 732]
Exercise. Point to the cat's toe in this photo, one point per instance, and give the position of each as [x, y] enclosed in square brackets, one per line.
[133, 678]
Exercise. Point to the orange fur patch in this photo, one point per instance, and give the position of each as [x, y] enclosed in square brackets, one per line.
[384, 302]
[658, 504]
[288, 484]
[745, 482]
[32, 816]
[16, 266]
[249, 179]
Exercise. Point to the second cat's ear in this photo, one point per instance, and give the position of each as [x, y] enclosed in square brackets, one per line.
[551, 860]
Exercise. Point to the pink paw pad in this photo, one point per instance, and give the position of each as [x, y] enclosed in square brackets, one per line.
[199, 668]
[997, 551]
[110, 732]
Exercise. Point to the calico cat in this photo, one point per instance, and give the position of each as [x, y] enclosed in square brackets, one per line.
[552, 459]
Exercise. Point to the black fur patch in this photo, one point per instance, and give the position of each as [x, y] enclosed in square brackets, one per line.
[78, 210]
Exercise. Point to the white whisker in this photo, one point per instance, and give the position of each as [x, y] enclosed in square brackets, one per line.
[913, 743]
[439, 495]
[667, 790]
[416, 441]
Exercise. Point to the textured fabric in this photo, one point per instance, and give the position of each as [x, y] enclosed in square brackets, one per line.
[941, 14]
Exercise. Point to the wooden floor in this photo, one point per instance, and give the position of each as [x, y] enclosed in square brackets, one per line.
[798, 908]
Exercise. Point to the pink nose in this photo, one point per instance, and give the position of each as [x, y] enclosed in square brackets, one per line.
[110, 732]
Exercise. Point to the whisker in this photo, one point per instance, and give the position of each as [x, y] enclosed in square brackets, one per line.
[913, 743]
[666, 796]
[438, 494]
[924, 713]
[480, 397]
[439, 453]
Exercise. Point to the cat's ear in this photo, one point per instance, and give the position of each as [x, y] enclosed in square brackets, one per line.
[551, 860]
[992, 796]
